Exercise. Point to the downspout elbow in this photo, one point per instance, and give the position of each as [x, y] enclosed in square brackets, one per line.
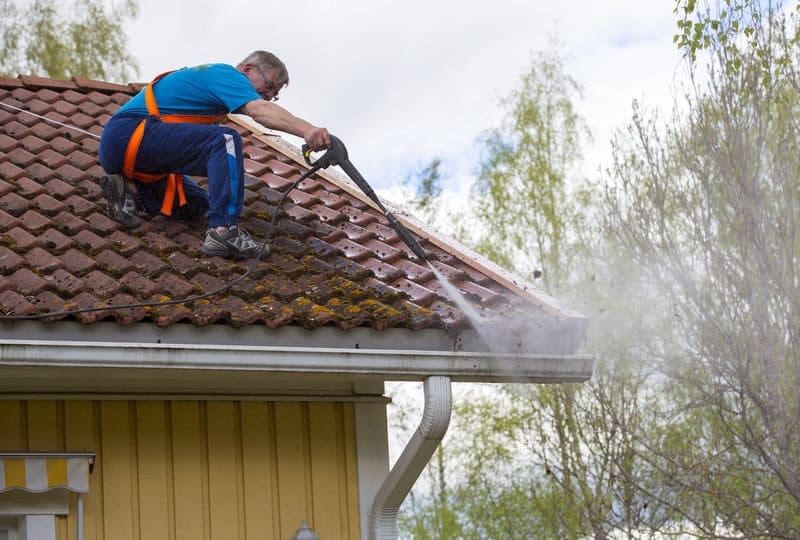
[415, 456]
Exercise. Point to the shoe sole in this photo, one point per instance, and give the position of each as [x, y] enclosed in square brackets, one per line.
[113, 187]
[229, 253]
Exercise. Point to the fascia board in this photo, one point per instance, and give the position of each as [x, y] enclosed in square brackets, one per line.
[537, 340]
[408, 365]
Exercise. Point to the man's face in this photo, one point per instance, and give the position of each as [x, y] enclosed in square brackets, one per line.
[264, 82]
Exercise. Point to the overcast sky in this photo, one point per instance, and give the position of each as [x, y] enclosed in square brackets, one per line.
[402, 82]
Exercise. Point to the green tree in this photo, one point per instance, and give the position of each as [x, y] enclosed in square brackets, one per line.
[86, 39]
[556, 461]
[740, 28]
[521, 191]
[432, 514]
[427, 185]
[690, 425]
[551, 461]
[707, 206]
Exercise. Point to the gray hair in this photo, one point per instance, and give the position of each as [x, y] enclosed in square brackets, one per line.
[266, 60]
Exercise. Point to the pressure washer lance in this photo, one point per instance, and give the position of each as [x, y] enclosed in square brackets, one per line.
[337, 155]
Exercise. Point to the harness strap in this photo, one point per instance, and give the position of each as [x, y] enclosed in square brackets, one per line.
[174, 186]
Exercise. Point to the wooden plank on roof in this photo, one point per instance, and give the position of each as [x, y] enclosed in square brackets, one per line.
[103, 86]
[46, 82]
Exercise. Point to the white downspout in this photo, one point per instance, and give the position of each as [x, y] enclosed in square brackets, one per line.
[415, 456]
[79, 525]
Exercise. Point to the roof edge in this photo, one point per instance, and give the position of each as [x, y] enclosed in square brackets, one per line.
[75, 83]
[410, 365]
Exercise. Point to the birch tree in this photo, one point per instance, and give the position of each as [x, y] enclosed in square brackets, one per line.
[86, 38]
[550, 461]
[523, 215]
[707, 205]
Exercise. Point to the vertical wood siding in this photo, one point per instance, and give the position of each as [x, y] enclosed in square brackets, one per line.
[200, 470]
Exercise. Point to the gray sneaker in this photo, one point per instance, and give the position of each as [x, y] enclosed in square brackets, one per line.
[234, 244]
[121, 204]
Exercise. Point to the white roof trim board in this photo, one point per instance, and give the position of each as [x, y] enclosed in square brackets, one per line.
[367, 363]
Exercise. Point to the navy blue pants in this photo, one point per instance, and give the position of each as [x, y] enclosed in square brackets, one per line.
[184, 149]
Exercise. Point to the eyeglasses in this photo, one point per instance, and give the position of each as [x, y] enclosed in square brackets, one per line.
[272, 91]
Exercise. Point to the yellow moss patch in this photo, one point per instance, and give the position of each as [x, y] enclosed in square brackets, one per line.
[316, 311]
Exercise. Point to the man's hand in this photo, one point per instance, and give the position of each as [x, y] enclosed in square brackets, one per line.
[318, 138]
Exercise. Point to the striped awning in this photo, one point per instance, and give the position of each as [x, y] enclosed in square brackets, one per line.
[44, 471]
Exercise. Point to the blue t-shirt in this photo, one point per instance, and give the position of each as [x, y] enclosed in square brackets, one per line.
[209, 89]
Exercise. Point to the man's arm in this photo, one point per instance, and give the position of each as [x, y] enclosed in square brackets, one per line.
[276, 117]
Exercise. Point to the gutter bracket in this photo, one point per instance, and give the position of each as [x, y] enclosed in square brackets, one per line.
[413, 459]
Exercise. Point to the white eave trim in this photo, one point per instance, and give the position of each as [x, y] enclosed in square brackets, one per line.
[371, 363]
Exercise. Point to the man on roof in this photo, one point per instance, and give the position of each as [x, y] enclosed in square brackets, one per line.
[169, 130]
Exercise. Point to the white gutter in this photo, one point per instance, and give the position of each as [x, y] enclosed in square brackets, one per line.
[376, 363]
[415, 456]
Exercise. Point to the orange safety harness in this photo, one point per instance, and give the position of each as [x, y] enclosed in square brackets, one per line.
[128, 167]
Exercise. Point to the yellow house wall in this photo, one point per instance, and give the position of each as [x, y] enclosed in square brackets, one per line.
[200, 470]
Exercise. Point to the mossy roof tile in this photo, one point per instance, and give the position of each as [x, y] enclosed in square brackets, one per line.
[334, 260]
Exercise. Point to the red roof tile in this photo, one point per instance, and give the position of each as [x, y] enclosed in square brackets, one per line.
[333, 261]
[43, 261]
[14, 304]
[27, 282]
[66, 283]
[9, 261]
[7, 221]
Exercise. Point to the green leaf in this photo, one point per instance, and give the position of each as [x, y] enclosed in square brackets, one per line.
[88, 40]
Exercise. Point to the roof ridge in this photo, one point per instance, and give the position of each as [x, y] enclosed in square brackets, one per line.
[75, 83]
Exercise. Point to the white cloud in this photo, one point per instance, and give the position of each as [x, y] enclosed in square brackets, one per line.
[402, 82]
